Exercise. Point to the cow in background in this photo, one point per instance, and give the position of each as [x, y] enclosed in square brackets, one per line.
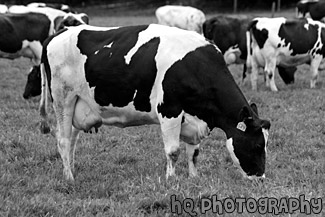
[3, 8]
[229, 34]
[23, 33]
[184, 17]
[316, 9]
[62, 7]
[284, 42]
[125, 76]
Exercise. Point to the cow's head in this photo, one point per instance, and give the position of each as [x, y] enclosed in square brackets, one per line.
[247, 144]
[71, 19]
[33, 85]
[302, 7]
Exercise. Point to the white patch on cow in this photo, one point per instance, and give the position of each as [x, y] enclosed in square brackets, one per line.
[230, 147]
[255, 177]
[306, 26]
[169, 51]
[135, 93]
[105, 46]
[109, 45]
[266, 137]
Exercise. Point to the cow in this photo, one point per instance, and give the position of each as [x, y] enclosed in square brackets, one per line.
[284, 42]
[184, 17]
[229, 34]
[3, 8]
[62, 7]
[316, 9]
[148, 74]
[16, 40]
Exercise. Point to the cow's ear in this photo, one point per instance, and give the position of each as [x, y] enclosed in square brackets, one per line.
[254, 108]
[244, 114]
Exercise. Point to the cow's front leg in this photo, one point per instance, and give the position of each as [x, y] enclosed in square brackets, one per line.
[192, 154]
[270, 66]
[253, 75]
[314, 65]
[171, 132]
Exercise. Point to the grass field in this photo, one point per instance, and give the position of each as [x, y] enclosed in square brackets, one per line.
[121, 172]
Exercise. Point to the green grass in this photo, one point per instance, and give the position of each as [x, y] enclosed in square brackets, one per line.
[121, 172]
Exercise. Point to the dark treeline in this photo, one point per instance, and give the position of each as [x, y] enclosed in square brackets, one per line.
[216, 4]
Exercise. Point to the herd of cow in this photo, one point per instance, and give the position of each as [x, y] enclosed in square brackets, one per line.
[158, 74]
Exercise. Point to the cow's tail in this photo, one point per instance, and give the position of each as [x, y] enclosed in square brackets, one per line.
[45, 128]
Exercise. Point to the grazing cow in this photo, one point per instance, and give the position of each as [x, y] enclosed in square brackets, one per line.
[316, 9]
[62, 7]
[285, 42]
[229, 34]
[149, 74]
[184, 17]
[3, 8]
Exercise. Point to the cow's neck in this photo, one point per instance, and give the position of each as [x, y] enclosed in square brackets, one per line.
[227, 112]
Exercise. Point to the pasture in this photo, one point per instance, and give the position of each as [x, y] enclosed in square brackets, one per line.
[121, 172]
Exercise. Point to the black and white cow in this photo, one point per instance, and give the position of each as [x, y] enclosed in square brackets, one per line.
[229, 34]
[149, 74]
[284, 42]
[316, 9]
[59, 6]
[184, 17]
[22, 34]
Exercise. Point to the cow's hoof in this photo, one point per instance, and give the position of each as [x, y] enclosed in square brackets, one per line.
[45, 129]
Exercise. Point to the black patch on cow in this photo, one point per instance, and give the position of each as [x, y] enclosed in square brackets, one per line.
[260, 35]
[279, 45]
[300, 38]
[116, 82]
[200, 84]
[18, 27]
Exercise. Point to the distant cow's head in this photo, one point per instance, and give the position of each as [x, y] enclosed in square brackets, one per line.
[71, 20]
[33, 85]
[247, 144]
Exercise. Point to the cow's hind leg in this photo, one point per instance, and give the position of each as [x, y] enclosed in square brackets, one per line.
[74, 139]
[64, 112]
[192, 154]
[171, 133]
